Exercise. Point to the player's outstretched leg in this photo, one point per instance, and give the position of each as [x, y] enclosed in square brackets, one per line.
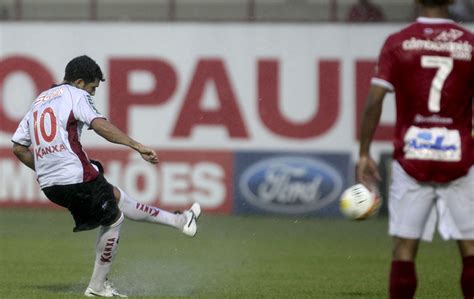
[106, 246]
[134, 210]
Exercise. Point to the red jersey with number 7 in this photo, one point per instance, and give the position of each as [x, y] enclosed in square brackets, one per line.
[429, 65]
[52, 127]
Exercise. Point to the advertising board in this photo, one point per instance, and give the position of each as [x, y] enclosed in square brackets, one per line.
[290, 183]
[193, 90]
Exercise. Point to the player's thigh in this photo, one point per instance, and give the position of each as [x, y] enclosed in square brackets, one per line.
[95, 205]
[458, 198]
[106, 207]
[410, 204]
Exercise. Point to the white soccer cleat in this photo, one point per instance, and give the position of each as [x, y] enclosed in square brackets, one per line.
[108, 291]
[192, 216]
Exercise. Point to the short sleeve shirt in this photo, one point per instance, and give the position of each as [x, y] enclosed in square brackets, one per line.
[430, 67]
[52, 127]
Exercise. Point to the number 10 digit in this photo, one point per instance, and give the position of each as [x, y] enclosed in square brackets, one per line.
[52, 118]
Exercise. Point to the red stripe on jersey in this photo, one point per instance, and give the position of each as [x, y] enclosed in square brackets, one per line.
[89, 172]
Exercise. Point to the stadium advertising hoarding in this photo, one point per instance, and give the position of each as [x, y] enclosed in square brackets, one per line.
[183, 177]
[194, 90]
[290, 183]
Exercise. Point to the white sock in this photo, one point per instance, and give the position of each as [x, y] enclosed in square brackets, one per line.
[106, 246]
[134, 210]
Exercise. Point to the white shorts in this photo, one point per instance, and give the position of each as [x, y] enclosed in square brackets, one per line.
[415, 207]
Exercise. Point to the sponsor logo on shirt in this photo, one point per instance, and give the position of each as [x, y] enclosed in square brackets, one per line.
[436, 119]
[40, 152]
[436, 144]
[449, 35]
[461, 50]
[47, 96]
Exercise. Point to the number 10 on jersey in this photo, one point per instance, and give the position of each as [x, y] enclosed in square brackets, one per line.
[47, 137]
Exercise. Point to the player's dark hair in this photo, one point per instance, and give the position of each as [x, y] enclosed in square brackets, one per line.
[83, 67]
[434, 2]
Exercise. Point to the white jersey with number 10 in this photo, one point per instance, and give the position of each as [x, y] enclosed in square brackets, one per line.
[52, 127]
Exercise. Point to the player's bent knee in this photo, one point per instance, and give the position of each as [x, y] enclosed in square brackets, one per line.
[117, 194]
[117, 221]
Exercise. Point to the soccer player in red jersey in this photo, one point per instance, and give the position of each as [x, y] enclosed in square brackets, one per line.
[429, 65]
[48, 141]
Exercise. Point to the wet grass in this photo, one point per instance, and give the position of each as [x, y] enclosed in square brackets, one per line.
[231, 257]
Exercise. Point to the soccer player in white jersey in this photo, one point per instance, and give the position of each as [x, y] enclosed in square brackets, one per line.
[430, 67]
[48, 141]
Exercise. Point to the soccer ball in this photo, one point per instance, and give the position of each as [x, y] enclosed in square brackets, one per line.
[359, 203]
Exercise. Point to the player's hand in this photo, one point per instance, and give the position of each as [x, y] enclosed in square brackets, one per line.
[367, 172]
[148, 154]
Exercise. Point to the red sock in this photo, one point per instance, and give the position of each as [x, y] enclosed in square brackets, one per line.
[402, 280]
[467, 277]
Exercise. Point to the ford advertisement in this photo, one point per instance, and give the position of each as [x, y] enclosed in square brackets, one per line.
[290, 183]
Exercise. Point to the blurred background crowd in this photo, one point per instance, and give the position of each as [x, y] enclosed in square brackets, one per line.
[222, 10]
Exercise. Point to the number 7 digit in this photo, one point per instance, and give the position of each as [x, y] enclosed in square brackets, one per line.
[444, 66]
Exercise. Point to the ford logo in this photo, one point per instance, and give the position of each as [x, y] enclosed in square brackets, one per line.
[291, 185]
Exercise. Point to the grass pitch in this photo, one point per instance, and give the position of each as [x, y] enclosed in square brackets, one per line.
[231, 257]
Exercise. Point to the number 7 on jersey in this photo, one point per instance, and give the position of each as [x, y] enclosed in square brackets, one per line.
[444, 66]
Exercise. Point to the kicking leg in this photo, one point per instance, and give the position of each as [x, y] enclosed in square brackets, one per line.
[134, 210]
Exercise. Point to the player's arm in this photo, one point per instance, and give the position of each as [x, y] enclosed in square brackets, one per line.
[367, 172]
[24, 154]
[113, 134]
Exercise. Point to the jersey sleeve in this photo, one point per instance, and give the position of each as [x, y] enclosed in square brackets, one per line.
[385, 66]
[22, 133]
[85, 111]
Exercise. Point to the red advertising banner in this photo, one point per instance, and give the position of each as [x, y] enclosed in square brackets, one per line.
[181, 178]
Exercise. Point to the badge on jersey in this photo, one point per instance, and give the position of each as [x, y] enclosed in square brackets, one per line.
[437, 144]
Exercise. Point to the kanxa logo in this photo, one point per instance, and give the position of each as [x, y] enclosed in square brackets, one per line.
[290, 184]
[147, 209]
[107, 254]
